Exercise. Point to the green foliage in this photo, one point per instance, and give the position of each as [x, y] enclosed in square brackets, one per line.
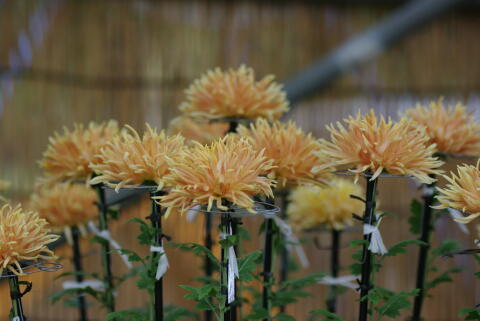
[415, 219]
[388, 303]
[470, 313]
[315, 314]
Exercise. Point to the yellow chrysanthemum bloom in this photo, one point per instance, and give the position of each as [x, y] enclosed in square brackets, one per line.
[129, 160]
[462, 193]
[290, 149]
[329, 205]
[367, 144]
[65, 205]
[228, 169]
[3, 186]
[204, 132]
[234, 93]
[452, 129]
[23, 236]
[69, 155]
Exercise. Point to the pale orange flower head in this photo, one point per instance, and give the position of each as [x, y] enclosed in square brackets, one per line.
[65, 205]
[328, 205]
[290, 149]
[462, 192]
[202, 132]
[130, 160]
[23, 236]
[69, 155]
[453, 129]
[376, 146]
[229, 169]
[234, 93]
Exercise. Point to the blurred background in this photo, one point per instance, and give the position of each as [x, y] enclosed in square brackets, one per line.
[66, 61]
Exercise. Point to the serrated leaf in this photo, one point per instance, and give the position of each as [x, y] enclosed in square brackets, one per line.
[415, 219]
[400, 247]
[284, 317]
[395, 303]
[247, 265]
[324, 313]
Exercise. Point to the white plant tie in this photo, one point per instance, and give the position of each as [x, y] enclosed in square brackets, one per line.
[193, 213]
[232, 267]
[163, 264]
[376, 241]
[455, 214]
[94, 284]
[427, 191]
[291, 239]
[105, 234]
[346, 281]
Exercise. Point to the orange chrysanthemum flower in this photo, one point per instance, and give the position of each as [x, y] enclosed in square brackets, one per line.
[65, 205]
[204, 133]
[462, 193]
[23, 236]
[291, 150]
[330, 205]
[381, 146]
[234, 93]
[129, 160]
[452, 129]
[228, 169]
[69, 155]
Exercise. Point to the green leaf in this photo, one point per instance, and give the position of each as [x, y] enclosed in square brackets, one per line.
[132, 315]
[304, 281]
[70, 292]
[445, 248]
[470, 313]
[247, 266]
[283, 317]
[179, 313]
[395, 303]
[415, 219]
[325, 313]
[444, 277]
[400, 247]
[198, 250]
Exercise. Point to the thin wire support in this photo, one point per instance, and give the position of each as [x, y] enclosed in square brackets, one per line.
[156, 221]
[105, 250]
[368, 218]
[334, 269]
[77, 264]
[427, 227]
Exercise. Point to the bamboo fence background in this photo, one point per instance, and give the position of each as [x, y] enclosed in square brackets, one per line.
[131, 61]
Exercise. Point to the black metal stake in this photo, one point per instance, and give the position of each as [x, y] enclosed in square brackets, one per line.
[105, 250]
[267, 265]
[156, 220]
[225, 226]
[77, 264]
[334, 267]
[368, 218]
[284, 255]
[208, 261]
[427, 227]
[16, 297]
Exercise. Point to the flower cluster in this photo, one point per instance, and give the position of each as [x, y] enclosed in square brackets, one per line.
[291, 150]
[129, 160]
[23, 236]
[452, 129]
[69, 155]
[65, 205]
[462, 192]
[376, 146]
[329, 205]
[229, 169]
[234, 93]
[202, 132]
